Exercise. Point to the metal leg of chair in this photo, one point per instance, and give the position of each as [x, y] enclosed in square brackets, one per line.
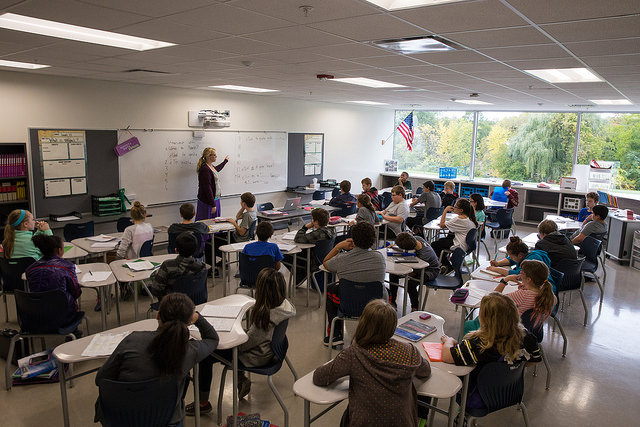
[546, 365]
[424, 300]
[600, 285]
[290, 365]
[524, 414]
[564, 336]
[333, 324]
[584, 304]
[7, 368]
[280, 401]
[6, 308]
[486, 249]
[220, 394]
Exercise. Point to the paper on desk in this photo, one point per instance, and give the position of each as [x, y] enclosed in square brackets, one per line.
[103, 344]
[96, 276]
[219, 324]
[66, 218]
[101, 238]
[286, 247]
[492, 273]
[231, 311]
[140, 265]
[110, 244]
[317, 202]
[239, 246]
[289, 235]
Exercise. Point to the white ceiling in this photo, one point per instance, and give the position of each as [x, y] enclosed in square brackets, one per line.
[216, 39]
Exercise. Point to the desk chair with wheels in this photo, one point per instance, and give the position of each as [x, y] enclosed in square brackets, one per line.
[319, 252]
[573, 281]
[500, 385]
[123, 223]
[537, 331]
[78, 231]
[149, 403]
[500, 227]
[558, 277]
[279, 347]
[591, 249]
[447, 282]
[192, 285]
[249, 267]
[42, 315]
[11, 270]
[354, 296]
[278, 225]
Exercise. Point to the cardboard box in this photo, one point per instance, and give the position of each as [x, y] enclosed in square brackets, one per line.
[568, 183]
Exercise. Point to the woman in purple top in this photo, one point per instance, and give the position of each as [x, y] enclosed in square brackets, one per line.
[53, 272]
[208, 185]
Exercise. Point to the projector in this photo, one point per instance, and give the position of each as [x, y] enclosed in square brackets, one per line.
[210, 118]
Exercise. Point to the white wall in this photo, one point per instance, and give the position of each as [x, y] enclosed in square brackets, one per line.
[352, 133]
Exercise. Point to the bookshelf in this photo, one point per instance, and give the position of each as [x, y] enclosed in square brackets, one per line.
[14, 179]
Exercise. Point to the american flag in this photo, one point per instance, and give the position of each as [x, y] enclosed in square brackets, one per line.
[406, 129]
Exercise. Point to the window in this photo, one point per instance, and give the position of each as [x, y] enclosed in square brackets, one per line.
[613, 137]
[441, 139]
[530, 147]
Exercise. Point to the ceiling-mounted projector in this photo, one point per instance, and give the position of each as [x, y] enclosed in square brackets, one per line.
[210, 118]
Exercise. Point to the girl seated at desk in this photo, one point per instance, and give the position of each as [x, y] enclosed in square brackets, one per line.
[518, 251]
[18, 232]
[458, 227]
[135, 235]
[380, 371]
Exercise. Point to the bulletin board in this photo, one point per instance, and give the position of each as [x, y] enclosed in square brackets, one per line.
[306, 157]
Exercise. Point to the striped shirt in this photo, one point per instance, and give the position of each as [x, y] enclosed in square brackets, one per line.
[469, 352]
[524, 299]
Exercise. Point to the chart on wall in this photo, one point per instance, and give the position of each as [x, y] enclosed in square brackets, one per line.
[63, 162]
[163, 168]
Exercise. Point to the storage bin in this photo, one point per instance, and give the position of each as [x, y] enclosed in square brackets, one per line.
[448, 173]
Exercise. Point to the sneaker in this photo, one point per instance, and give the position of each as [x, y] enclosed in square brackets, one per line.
[190, 409]
[337, 340]
[244, 386]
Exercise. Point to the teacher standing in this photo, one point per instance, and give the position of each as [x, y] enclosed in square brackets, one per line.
[208, 185]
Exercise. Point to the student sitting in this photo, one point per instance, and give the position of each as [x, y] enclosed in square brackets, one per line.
[404, 182]
[397, 212]
[358, 264]
[271, 309]
[407, 242]
[556, 245]
[371, 191]
[430, 198]
[184, 263]
[449, 195]
[518, 251]
[52, 272]
[380, 370]
[18, 233]
[366, 211]
[264, 231]
[459, 227]
[167, 351]
[534, 292]
[187, 213]
[135, 235]
[501, 336]
[506, 194]
[245, 218]
[594, 224]
[316, 230]
[477, 203]
[345, 200]
[592, 199]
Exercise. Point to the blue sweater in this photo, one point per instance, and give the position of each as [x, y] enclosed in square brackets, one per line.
[534, 255]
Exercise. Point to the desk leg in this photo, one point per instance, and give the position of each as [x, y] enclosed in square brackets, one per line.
[117, 293]
[103, 309]
[324, 304]
[63, 394]
[307, 413]
[308, 272]
[463, 399]
[406, 291]
[225, 257]
[451, 416]
[420, 288]
[463, 316]
[384, 242]
[135, 300]
[293, 275]
[235, 386]
[196, 393]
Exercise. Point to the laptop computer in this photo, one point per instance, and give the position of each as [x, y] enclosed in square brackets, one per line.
[291, 204]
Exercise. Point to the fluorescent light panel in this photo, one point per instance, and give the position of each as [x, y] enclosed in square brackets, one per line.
[244, 88]
[368, 102]
[413, 45]
[472, 102]
[11, 21]
[565, 75]
[363, 81]
[611, 101]
[26, 65]
[406, 4]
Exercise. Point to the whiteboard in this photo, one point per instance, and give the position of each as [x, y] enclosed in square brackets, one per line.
[163, 168]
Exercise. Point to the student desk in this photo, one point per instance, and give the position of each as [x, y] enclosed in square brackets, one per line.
[432, 228]
[85, 244]
[73, 252]
[494, 204]
[392, 265]
[102, 287]
[217, 227]
[126, 275]
[296, 213]
[307, 247]
[563, 223]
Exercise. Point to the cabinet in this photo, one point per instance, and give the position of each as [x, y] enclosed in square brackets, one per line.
[14, 179]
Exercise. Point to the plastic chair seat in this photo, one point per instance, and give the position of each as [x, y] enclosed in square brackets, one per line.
[444, 282]
[589, 267]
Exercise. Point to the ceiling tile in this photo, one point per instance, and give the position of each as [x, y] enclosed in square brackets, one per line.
[479, 67]
[323, 10]
[292, 56]
[611, 60]
[388, 61]
[296, 37]
[157, 8]
[519, 36]
[166, 29]
[370, 27]
[595, 29]
[544, 11]
[453, 57]
[538, 64]
[544, 51]
[348, 51]
[608, 47]
[238, 46]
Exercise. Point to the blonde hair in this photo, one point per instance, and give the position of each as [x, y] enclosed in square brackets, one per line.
[138, 212]
[538, 272]
[377, 324]
[10, 230]
[500, 326]
[203, 159]
[449, 184]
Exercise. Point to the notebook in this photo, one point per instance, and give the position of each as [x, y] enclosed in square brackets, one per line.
[414, 330]
[433, 350]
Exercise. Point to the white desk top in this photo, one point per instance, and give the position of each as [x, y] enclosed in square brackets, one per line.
[414, 265]
[564, 223]
[435, 224]
[279, 239]
[238, 247]
[397, 269]
[216, 227]
[74, 251]
[237, 335]
[85, 244]
[124, 274]
[479, 288]
[530, 240]
[489, 203]
[93, 267]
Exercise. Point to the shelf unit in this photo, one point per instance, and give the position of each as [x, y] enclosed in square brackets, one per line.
[538, 203]
[6, 206]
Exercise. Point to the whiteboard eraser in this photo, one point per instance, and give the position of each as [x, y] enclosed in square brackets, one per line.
[198, 134]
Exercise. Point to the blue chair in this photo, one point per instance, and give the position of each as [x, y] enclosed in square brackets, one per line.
[500, 227]
[537, 331]
[147, 248]
[279, 347]
[319, 252]
[472, 242]
[78, 231]
[192, 285]
[385, 200]
[149, 403]
[171, 244]
[591, 249]
[318, 195]
[348, 209]
[447, 282]
[335, 192]
[500, 385]
[278, 225]
[42, 315]
[603, 237]
[573, 281]
[11, 270]
[249, 267]
[354, 296]
[434, 213]
[419, 191]
[123, 223]
[558, 277]
[252, 230]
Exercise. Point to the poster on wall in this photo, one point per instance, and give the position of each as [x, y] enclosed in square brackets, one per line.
[63, 162]
[313, 154]
[391, 166]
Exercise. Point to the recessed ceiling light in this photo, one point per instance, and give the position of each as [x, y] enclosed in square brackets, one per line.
[471, 102]
[565, 75]
[11, 21]
[244, 88]
[611, 101]
[412, 45]
[368, 102]
[406, 4]
[26, 65]
[363, 81]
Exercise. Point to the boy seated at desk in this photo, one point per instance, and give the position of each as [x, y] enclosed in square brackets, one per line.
[448, 196]
[396, 213]
[430, 198]
[245, 218]
[367, 188]
[404, 182]
[591, 199]
[556, 245]
[595, 224]
[345, 199]
[183, 264]
[264, 231]
[188, 213]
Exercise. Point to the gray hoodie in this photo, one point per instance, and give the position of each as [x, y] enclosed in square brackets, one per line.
[257, 350]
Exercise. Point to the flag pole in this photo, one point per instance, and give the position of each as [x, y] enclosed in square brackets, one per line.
[394, 131]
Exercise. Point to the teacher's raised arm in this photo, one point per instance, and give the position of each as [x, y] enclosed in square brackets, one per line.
[208, 185]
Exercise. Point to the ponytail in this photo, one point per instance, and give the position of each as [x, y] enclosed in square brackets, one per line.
[544, 303]
[516, 246]
[365, 201]
[465, 206]
[15, 218]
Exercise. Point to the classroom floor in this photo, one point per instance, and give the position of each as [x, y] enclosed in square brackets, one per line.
[598, 383]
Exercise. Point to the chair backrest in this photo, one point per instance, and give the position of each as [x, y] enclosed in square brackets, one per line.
[419, 191]
[501, 385]
[471, 240]
[591, 248]
[77, 231]
[318, 195]
[147, 248]
[252, 230]
[11, 272]
[385, 200]
[123, 223]
[41, 312]
[349, 209]
[265, 206]
[193, 285]
[572, 275]
[279, 342]
[148, 403]
[557, 277]
[335, 192]
[528, 320]
[250, 266]
[171, 244]
[504, 217]
[321, 249]
[434, 213]
[354, 296]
